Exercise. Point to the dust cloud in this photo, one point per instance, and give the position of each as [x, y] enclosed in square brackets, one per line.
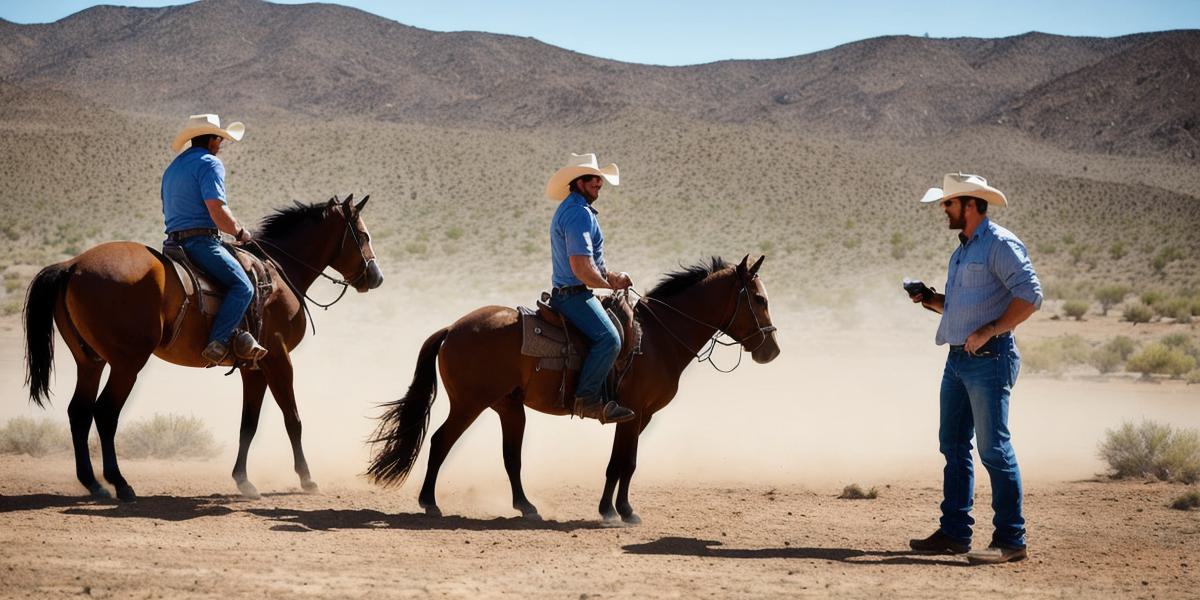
[852, 398]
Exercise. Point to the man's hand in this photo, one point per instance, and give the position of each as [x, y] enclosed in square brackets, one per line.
[976, 340]
[242, 235]
[619, 281]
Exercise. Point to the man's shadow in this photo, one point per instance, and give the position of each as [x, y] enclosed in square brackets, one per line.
[184, 508]
[681, 546]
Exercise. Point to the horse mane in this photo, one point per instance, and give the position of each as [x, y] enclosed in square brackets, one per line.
[280, 223]
[678, 281]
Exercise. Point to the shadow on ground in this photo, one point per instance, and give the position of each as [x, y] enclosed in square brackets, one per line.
[680, 546]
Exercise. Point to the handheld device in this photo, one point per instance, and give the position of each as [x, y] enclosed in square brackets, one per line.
[916, 287]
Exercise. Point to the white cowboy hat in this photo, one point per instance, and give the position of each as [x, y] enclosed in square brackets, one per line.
[962, 184]
[206, 125]
[580, 164]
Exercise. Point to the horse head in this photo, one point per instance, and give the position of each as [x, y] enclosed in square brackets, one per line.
[355, 258]
[751, 322]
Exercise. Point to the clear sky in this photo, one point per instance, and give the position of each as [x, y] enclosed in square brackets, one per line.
[673, 32]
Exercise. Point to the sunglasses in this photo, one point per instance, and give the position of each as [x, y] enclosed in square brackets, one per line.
[947, 203]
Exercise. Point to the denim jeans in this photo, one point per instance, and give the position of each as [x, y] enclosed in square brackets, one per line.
[974, 400]
[210, 255]
[583, 310]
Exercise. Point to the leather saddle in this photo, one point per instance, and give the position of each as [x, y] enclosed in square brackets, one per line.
[200, 290]
[560, 346]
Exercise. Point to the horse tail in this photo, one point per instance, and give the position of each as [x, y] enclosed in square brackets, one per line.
[43, 295]
[402, 427]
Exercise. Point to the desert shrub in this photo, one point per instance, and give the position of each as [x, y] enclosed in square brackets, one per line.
[1117, 251]
[1075, 309]
[1123, 345]
[24, 435]
[167, 436]
[454, 233]
[1160, 359]
[1165, 256]
[1184, 343]
[1152, 297]
[1179, 309]
[1106, 360]
[1056, 355]
[1152, 450]
[1189, 500]
[1192, 377]
[1109, 296]
[1137, 313]
[855, 492]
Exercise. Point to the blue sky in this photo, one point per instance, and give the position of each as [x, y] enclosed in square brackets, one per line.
[673, 32]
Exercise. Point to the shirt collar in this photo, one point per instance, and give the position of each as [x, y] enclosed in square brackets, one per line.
[577, 198]
[984, 226]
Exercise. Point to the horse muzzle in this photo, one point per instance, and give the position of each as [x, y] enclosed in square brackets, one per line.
[767, 351]
[372, 277]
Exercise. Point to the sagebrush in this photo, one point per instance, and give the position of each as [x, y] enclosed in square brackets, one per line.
[1152, 449]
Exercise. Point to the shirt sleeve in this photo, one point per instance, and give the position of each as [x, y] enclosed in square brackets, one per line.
[577, 232]
[1010, 263]
[212, 180]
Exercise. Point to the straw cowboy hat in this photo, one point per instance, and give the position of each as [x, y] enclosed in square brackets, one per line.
[580, 164]
[206, 125]
[955, 185]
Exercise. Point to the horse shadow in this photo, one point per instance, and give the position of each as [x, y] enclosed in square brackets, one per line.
[682, 546]
[185, 508]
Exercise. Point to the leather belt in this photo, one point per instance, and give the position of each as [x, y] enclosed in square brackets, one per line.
[568, 290]
[985, 344]
[183, 234]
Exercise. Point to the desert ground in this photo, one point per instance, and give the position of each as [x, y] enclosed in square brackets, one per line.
[737, 484]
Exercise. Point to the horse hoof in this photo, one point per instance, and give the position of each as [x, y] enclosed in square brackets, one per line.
[531, 516]
[431, 510]
[99, 492]
[631, 519]
[608, 518]
[310, 487]
[248, 490]
[126, 494]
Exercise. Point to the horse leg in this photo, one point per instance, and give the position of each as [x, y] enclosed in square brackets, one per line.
[279, 379]
[512, 423]
[620, 470]
[79, 412]
[443, 439]
[107, 412]
[254, 386]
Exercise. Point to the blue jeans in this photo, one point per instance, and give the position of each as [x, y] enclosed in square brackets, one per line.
[974, 400]
[210, 255]
[583, 310]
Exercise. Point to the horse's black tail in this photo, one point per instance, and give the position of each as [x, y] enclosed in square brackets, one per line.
[402, 428]
[39, 329]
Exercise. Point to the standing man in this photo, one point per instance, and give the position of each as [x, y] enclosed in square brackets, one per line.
[577, 261]
[990, 289]
[196, 210]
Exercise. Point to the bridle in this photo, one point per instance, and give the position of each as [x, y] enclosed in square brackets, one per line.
[351, 231]
[704, 354]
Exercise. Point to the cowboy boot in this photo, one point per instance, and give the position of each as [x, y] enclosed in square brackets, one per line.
[246, 347]
[595, 408]
[215, 352]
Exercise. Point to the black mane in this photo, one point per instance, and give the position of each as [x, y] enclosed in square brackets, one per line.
[280, 223]
[678, 281]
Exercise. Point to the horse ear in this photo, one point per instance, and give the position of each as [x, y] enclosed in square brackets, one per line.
[332, 203]
[742, 265]
[757, 264]
[348, 199]
[360, 205]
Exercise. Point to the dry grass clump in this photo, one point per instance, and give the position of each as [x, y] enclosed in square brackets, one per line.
[1189, 500]
[167, 436]
[1137, 313]
[1075, 309]
[25, 435]
[1152, 450]
[855, 492]
[1159, 358]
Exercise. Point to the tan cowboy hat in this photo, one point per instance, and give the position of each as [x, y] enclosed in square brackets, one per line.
[559, 185]
[962, 184]
[206, 125]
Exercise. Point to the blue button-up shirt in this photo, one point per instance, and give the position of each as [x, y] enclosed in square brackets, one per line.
[193, 177]
[574, 231]
[986, 272]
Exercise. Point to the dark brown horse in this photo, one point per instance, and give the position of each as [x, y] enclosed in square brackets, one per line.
[118, 303]
[482, 367]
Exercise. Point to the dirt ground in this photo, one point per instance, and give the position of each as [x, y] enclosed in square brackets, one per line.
[182, 540]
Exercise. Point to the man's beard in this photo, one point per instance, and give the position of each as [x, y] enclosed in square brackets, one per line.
[959, 223]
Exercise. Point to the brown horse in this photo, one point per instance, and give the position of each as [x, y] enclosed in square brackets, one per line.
[482, 367]
[118, 303]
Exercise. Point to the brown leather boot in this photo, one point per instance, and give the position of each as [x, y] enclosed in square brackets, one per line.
[939, 543]
[215, 352]
[595, 408]
[246, 347]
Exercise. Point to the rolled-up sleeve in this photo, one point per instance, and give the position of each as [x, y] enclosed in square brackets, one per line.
[1011, 264]
[577, 232]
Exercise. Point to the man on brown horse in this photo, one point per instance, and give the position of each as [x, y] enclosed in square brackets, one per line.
[195, 211]
[577, 258]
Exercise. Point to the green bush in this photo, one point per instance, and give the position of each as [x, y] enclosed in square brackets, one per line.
[1184, 343]
[1117, 251]
[1056, 355]
[1192, 377]
[1160, 359]
[1106, 360]
[1122, 345]
[166, 436]
[1152, 450]
[1109, 296]
[1152, 297]
[1075, 309]
[24, 435]
[1179, 309]
[1137, 313]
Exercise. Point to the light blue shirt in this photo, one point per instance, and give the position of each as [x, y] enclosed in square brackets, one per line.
[986, 273]
[193, 177]
[574, 231]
